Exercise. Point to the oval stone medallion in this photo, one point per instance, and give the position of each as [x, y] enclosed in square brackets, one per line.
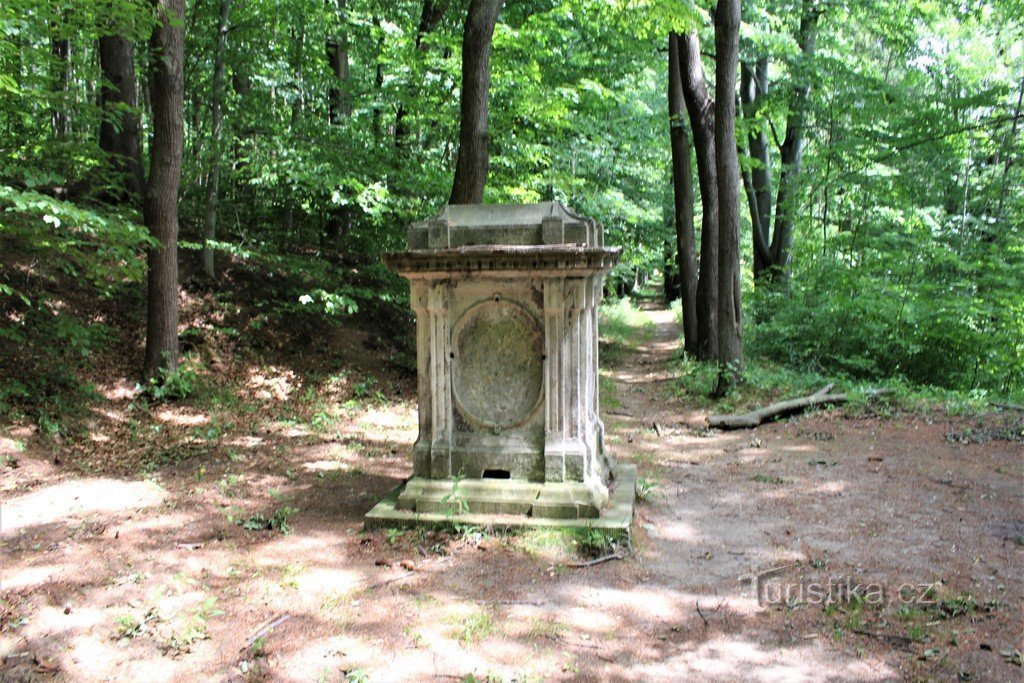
[498, 371]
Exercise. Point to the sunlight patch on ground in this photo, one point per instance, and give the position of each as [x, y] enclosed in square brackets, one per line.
[653, 604]
[324, 466]
[67, 499]
[246, 442]
[271, 383]
[678, 531]
[29, 577]
[397, 422]
[731, 659]
[182, 418]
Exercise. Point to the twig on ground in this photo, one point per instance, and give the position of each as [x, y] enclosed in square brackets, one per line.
[702, 614]
[902, 640]
[599, 560]
[385, 582]
[266, 628]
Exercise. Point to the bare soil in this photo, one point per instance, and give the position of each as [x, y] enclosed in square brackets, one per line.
[112, 574]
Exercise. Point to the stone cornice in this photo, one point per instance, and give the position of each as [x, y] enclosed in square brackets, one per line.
[493, 260]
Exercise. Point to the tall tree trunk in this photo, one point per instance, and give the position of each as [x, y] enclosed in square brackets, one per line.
[758, 182]
[338, 103]
[60, 48]
[701, 109]
[430, 17]
[378, 79]
[682, 191]
[160, 208]
[792, 151]
[471, 165]
[730, 321]
[338, 220]
[119, 129]
[217, 121]
[298, 69]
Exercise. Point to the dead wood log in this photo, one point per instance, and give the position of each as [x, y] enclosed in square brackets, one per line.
[783, 408]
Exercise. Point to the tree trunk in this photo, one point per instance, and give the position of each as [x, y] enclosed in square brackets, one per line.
[119, 129]
[160, 208]
[337, 220]
[471, 165]
[701, 109]
[682, 191]
[217, 121]
[758, 182]
[730, 322]
[60, 48]
[430, 17]
[298, 64]
[792, 151]
[338, 103]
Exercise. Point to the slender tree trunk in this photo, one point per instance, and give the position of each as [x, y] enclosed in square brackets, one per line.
[430, 17]
[1008, 142]
[337, 221]
[298, 69]
[119, 130]
[160, 208]
[701, 109]
[471, 165]
[378, 80]
[682, 190]
[758, 182]
[730, 322]
[792, 152]
[60, 48]
[338, 103]
[217, 121]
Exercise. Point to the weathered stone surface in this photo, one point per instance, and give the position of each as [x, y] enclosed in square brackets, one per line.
[506, 304]
[498, 368]
[616, 515]
[489, 224]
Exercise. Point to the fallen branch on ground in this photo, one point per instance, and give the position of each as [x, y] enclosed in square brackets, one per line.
[599, 560]
[783, 408]
[266, 628]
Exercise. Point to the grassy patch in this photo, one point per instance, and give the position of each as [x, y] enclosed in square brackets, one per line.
[622, 323]
[608, 393]
[570, 542]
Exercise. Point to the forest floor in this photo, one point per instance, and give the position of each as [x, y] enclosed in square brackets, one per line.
[225, 542]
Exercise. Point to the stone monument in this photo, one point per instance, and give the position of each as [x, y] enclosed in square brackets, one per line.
[506, 301]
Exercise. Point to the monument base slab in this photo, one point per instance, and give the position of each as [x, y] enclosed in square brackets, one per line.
[502, 503]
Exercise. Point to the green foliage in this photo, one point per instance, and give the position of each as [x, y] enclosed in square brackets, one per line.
[276, 521]
[623, 323]
[176, 384]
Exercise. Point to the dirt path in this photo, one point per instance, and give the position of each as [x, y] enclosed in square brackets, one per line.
[153, 578]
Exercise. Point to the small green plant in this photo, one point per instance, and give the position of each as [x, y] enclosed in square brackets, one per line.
[259, 647]
[917, 633]
[475, 627]
[951, 608]
[768, 479]
[455, 503]
[277, 521]
[128, 626]
[174, 385]
[195, 628]
[646, 489]
[357, 676]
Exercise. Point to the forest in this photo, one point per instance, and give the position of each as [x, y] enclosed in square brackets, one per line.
[196, 195]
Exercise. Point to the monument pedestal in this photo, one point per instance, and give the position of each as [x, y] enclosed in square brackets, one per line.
[506, 301]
